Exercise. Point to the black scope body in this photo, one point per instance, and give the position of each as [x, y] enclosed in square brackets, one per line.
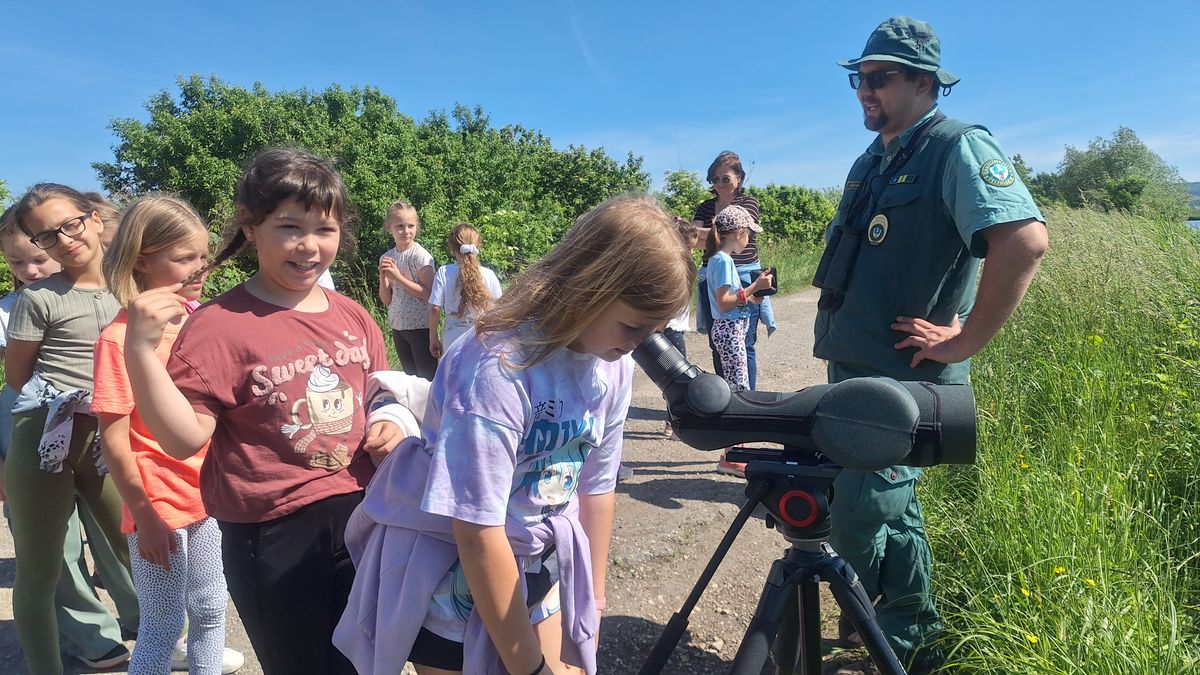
[865, 423]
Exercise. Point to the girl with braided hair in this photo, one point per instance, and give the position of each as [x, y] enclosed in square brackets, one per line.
[464, 289]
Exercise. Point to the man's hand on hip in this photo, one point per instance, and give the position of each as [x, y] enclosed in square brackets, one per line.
[933, 342]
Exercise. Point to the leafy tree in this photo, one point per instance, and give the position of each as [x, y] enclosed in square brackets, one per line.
[1041, 186]
[1120, 173]
[5, 195]
[454, 167]
[682, 192]
[795, 212]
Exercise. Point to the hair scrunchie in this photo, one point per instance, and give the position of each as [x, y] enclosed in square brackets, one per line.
[467, 249]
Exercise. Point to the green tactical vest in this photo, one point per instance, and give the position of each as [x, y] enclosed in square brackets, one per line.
[916, 266]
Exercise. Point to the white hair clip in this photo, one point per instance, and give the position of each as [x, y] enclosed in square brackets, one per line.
[467, 249]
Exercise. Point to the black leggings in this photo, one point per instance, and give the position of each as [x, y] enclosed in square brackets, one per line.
[412, 346]
[289, 579]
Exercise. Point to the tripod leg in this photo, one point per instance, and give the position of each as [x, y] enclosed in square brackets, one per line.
[857, 607]
[787, 641]
[679, 621]
[798, 642]
[810, 627]
[777, 593]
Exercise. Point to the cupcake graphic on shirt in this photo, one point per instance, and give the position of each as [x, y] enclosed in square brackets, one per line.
[329, 403]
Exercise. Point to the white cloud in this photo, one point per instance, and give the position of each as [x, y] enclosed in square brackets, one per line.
[586, 52]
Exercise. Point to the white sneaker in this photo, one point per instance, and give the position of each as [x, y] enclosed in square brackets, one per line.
[231, 661]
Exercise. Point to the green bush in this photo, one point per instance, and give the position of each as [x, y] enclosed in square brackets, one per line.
[514, 239]
[795, 212]
[1071, 547]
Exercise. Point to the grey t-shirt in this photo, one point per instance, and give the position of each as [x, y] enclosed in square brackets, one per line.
[67, 321]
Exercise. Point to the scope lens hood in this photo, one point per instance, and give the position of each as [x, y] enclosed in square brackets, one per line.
[866, 423]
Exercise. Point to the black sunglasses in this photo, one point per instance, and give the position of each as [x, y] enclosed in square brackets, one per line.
[49, 239]
[721, 180]
[874, 80]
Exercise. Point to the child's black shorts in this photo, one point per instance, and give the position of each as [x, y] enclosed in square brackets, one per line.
[435, 651]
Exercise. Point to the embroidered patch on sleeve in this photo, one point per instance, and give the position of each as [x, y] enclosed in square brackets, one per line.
[903, 179]
[996, 173]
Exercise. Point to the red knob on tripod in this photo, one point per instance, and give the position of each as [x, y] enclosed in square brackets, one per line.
[798, 508]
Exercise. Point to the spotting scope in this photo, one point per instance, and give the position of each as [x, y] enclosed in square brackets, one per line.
[865, 423]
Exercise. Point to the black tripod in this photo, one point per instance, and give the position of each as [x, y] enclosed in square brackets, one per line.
[787, 621]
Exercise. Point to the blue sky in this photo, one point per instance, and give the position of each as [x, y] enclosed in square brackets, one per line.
[673, 82]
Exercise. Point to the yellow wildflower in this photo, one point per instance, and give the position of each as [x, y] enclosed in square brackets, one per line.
[1090, 582]
[1025, 592]
[1033, 639]
[1059, 569]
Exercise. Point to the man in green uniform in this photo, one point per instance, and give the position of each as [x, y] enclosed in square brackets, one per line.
[923, 205]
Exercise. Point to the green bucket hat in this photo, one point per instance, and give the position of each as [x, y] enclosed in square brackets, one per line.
[903, 39]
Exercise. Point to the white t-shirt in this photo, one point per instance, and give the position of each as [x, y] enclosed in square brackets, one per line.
[447, 294]
[6, 307]
[682, 323]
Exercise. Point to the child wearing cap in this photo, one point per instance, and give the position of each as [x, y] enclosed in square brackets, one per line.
[729, 301]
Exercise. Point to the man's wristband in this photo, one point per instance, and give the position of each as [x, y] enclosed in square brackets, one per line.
[541, 666]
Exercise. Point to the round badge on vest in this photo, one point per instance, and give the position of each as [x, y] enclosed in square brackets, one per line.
[877, 229]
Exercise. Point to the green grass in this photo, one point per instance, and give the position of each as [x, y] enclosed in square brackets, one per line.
[1072, 546]
[795, 261]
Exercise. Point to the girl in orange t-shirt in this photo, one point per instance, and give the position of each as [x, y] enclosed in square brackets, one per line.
[174, 546]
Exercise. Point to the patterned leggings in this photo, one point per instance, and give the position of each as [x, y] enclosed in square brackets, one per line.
[729, 339]
[195, 586]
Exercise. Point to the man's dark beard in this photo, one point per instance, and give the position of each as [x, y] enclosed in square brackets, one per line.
[881, 121]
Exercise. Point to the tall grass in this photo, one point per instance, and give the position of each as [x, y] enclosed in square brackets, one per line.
[795, 261]
[1072, 546]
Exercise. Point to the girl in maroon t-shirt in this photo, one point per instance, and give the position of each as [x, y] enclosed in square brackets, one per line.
[273, 372]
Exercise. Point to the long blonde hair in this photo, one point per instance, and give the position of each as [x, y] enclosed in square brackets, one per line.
[153, 223]
[474, 296]
[627, 249]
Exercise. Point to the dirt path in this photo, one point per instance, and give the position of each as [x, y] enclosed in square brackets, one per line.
[676, 508]
[670, 516]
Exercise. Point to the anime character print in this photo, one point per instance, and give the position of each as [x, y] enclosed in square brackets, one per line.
[552, 456]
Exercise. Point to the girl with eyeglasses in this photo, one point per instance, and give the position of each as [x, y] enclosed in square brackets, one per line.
[53, 454]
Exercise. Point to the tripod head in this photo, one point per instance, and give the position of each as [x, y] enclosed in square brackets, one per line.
[866, 423]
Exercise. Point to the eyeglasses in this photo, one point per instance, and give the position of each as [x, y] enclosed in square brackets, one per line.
[721, 180]
[49, 239]
[874, 80]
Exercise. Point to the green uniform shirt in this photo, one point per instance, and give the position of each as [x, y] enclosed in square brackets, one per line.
[897, 274]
